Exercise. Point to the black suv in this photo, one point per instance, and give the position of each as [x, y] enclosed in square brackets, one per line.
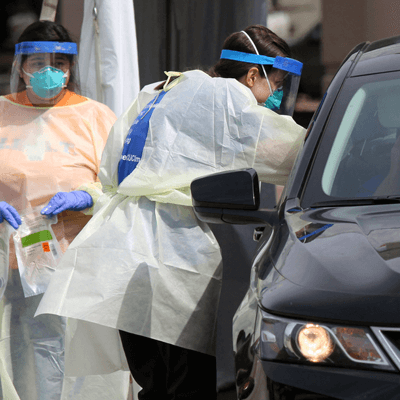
[321, 318]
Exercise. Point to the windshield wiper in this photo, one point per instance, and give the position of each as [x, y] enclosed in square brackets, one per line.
[358, 201]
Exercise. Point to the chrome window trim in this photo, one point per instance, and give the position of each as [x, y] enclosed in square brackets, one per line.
[378, 331]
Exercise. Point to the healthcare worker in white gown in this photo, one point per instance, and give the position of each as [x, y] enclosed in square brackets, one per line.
[144, 265]
[51, 140]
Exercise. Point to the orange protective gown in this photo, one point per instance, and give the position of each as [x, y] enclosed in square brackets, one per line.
[43, 151]
[47, 150]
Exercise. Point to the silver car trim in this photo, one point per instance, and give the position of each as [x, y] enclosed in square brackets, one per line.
[387, 345]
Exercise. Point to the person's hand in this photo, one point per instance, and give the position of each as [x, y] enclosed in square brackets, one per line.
[10, 214]
[75, 201]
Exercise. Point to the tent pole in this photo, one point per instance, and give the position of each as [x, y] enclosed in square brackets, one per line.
[168, 36]
[49, 10]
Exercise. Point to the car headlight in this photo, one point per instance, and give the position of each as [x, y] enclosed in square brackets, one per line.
[315, 343]
[283, 339]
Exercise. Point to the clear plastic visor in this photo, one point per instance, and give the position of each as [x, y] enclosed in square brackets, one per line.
[289, 84]
[284, 77]
[43, 78]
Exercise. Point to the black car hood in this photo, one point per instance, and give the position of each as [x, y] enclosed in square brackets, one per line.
[336, 263]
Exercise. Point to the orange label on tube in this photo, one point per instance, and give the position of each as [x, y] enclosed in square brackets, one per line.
[46, 247]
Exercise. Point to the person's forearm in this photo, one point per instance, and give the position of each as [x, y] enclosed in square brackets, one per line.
[95, 190]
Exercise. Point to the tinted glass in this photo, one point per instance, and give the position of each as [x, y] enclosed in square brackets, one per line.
[360, 144]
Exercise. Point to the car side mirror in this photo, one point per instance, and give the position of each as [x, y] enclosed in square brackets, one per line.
[230, 197]
[234, 189]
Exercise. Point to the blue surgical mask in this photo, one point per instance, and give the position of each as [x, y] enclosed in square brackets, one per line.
[274, 102]
[47, 82]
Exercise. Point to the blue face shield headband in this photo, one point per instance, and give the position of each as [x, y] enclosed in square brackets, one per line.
[290, 66]
[283, 63]
[46, 47]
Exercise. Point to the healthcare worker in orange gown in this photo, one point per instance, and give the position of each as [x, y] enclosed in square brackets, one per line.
[154, 269]
[51, 140]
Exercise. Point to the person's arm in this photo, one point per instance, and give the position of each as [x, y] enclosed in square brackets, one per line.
[95, 189]
[82, 199]
[279, 142]
[85, 196]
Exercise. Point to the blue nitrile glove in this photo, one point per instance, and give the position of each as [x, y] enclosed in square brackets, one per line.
[75, 201]
[10, 214]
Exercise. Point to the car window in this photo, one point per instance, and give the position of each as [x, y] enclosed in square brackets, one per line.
[343, 143]
[354, 157]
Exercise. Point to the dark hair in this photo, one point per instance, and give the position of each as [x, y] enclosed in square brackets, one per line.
[45, 31]
[267, 43]
[48, 31]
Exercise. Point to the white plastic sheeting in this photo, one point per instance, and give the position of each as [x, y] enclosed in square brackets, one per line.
[112, 75]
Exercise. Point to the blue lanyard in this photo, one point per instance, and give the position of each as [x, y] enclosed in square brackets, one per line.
[135, 140]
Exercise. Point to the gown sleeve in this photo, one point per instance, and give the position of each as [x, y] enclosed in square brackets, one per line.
[279, 142]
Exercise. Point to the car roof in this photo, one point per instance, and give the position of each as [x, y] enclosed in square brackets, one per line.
[377, 57]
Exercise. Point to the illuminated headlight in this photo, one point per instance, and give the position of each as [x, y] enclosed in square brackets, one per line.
[283, 339]
[315, 343]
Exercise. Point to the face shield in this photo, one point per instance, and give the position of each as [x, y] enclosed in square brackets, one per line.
[43, 71]
[285, 73]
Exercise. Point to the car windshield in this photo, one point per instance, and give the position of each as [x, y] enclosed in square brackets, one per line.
[360, 148]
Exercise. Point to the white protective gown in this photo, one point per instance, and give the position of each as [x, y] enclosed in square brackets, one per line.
[144, 263]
